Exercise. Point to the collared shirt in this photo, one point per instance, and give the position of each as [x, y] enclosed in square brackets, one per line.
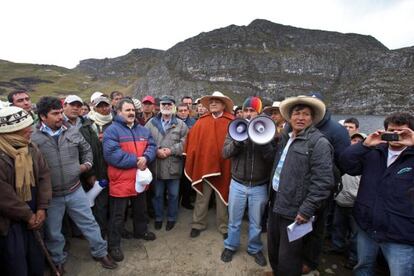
[393, 155]
[44, 128]
[276, 176]
[165, 124]
[78, 123]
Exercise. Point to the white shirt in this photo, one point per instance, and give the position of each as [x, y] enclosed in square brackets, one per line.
[393, 155]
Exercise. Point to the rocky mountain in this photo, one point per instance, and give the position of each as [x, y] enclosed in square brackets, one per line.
[355, 73]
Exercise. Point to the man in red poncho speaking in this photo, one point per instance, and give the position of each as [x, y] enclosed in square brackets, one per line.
[205, 166]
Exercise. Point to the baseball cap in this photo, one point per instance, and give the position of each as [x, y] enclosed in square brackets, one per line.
[73, 98]
[101, 100]
[167, 99]
[148, 99]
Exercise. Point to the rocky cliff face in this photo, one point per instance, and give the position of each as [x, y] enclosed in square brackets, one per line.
[355, 73]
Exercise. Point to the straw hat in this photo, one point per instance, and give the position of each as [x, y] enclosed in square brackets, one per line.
[220, 96]
[268, 110]
[317, 106]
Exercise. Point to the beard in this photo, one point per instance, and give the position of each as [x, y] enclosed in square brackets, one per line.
[166, 111]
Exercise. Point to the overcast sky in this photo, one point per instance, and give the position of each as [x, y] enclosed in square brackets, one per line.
[63, 32]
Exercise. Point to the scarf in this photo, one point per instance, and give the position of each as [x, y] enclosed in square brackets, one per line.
[17, 148]
[100, 119]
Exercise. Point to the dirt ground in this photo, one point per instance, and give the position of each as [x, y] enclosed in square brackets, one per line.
[175, 253]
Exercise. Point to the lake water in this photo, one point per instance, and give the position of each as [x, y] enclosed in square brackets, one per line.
[367, 123]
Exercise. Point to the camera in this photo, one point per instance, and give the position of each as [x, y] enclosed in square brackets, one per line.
[390, 136]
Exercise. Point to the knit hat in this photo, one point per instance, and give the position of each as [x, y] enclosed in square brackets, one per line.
[253, 102]
[13, 118]
[137, 103]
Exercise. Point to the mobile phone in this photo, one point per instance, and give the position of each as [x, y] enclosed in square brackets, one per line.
[390, 136]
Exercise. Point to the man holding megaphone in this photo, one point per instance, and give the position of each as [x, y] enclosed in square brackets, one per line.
[250, 168]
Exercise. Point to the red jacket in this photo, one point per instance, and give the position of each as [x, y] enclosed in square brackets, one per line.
[122, 147]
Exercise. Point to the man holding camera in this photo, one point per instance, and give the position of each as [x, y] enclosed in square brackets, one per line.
[384, 208]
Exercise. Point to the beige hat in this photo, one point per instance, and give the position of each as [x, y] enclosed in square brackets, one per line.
[99, 100]
[220, 96]
[96, 95]
[13, 118]
[317, 106]
[268, 110]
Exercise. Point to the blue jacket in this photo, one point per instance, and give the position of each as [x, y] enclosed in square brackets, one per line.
[122, 146]
[384, 207]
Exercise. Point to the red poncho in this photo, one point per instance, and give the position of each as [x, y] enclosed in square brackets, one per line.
[203, 148]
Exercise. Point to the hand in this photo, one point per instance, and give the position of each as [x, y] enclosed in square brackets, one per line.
[31, 223]
[84, 168]
[90, 181]
[300, 219]
[406, 137]
[161, 154]
[142, 163]
[374, 139]
[167, 152]
[40, 218]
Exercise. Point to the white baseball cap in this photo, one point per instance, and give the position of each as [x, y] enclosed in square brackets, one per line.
[73, 98]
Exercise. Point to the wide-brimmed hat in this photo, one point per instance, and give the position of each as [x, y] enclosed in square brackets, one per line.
[317, 106]
[13, 118]
[268, 110]
[220, 96]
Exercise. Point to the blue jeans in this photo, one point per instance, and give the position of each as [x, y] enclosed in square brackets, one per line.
[173, 187]
[344, 225]
[77, 206]
[400, 257]
[256, 199]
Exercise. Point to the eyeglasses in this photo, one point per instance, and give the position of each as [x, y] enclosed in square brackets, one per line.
[166, 103]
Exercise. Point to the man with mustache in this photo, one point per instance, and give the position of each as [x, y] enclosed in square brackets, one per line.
[169, 133]
[68, 155]
[128, 147]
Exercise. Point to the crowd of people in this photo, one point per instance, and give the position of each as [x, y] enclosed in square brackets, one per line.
[72, 168]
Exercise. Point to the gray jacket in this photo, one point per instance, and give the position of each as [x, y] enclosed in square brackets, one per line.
[250, 163]
[64, 157]
[348, 194]
[173, 138]
[306, 179]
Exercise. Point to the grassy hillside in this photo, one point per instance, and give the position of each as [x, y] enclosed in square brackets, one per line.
[42, 80]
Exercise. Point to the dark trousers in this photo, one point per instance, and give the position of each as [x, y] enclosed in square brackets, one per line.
[186, 191]
[285, 257]
[117, 207]
[313, 243]
[20, 253]
[100, 211]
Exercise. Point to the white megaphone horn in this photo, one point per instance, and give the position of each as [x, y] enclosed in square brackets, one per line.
[261, 130]
[238, 129]
[97, 188]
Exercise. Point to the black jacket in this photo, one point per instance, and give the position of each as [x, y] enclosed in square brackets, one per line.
[250, 163]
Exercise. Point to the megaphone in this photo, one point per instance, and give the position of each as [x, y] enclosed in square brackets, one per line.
[261, 130]
[238, 129]
[97, 188]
